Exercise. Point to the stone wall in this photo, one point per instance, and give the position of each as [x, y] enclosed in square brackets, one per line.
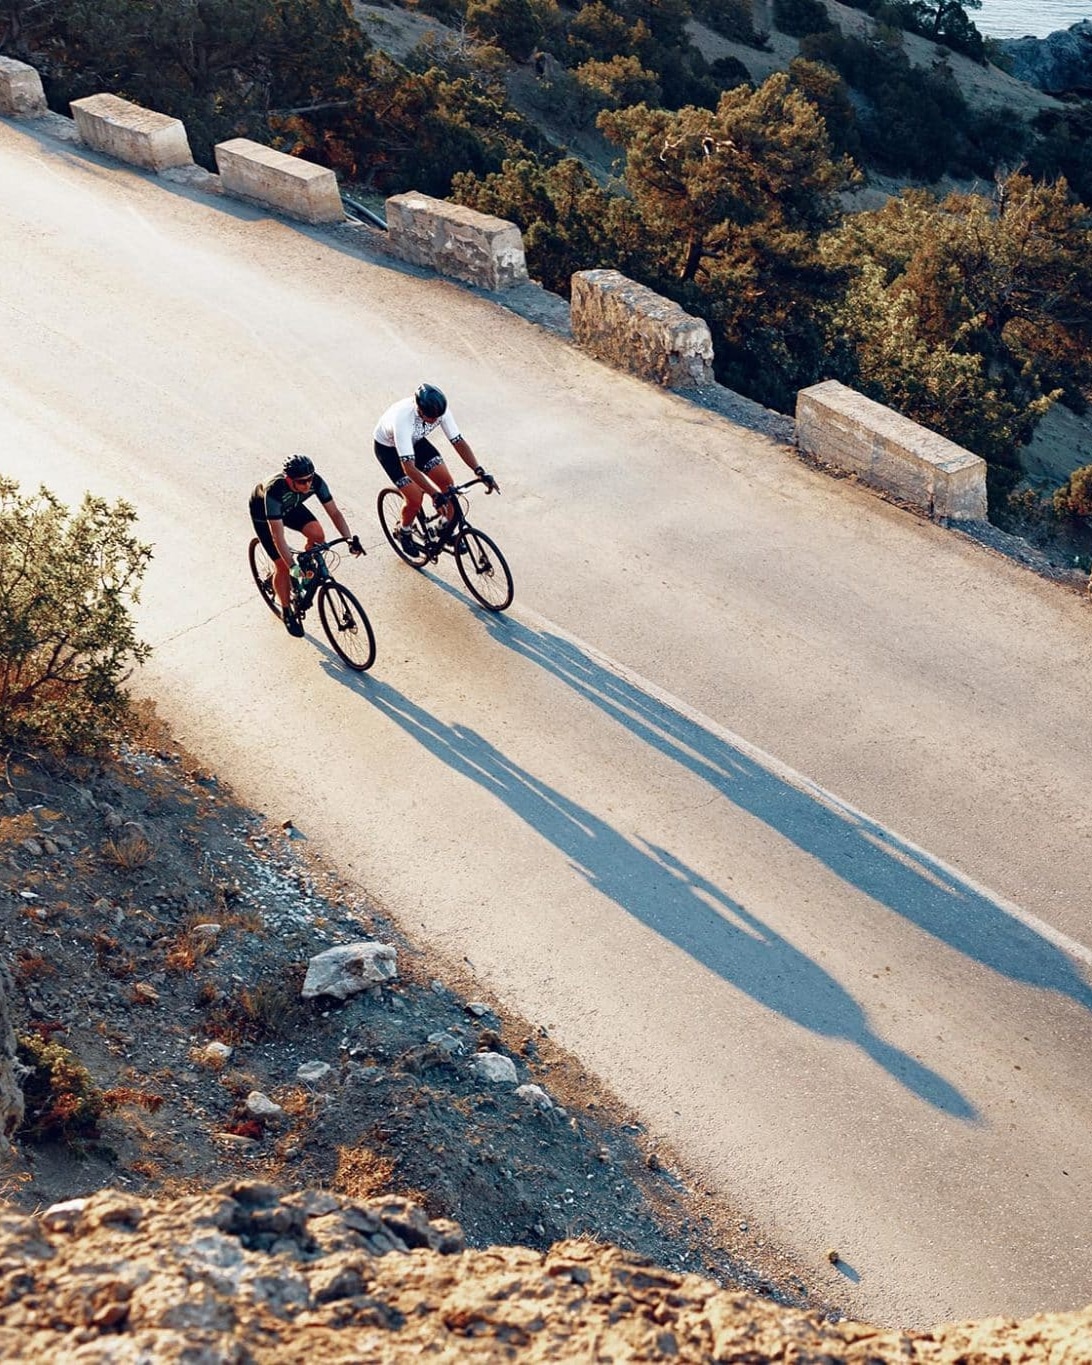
[21, 94]
[131, 133]
[289, 184]
[637, 330]
[846, 430]
[469, 246]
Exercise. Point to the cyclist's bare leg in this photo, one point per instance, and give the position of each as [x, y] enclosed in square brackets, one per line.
[413, 494]
[282, 583]
[314, 533]
[441, 476]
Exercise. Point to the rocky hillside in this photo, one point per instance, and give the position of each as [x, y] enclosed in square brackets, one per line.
[1061, 63]
[197, 1000]
[244, 1274]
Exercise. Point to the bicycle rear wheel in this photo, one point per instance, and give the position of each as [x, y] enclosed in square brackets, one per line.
[484, 570]
[390, 518]
[262, 568]
[347, 626]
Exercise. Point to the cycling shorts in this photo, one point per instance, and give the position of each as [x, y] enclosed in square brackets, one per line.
[425, 457]
[296, 520]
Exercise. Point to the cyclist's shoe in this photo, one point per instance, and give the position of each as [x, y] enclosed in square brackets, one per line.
[409, 545]
[292, 623]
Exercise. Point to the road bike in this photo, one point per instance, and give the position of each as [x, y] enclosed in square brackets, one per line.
[481, 565]
[343, 618]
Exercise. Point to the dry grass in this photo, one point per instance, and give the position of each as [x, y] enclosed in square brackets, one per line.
[29, 966]
[123, 1096]
[239, 1083]
[190, 947]
[127, 851]
[361, 1174]
[298, 1102]
[269, 1009]
[110, 957]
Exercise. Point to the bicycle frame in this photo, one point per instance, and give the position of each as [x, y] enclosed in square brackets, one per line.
[316, 571]
[442, 533]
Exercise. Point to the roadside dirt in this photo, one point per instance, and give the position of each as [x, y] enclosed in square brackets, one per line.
[111, 873]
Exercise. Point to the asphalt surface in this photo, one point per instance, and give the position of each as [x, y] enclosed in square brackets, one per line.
[769, 799]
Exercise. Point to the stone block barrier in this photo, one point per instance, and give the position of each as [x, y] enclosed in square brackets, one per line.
[130, 133]
[21, 94]
[469, 246]
[634, 329]
[262, 175]
[846, 430]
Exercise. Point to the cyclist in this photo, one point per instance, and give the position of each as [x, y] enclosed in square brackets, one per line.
[281, 501]
[403, 448]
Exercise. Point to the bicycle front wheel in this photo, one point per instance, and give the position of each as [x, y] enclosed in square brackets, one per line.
[390, 518]
[262, 568]
[347, 626]
[484, 570]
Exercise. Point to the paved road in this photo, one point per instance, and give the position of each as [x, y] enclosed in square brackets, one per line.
[770, 800]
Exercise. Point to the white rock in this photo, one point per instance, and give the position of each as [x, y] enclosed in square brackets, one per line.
[448, 1042]
[534, 1094]
[349, 969]
[494, 1067]
[261, 1106]
[313, 1072]
[216, 1052]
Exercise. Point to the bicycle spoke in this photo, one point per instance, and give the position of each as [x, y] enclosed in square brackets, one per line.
[390, 518]
[484, 570]
[347, 626]
[261, 569]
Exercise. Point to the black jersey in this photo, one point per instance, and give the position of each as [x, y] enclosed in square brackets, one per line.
[272, 499]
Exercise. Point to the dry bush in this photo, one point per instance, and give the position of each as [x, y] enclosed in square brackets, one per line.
[269, 1009]
[127, 851]
[239, 1083]
[187, 951]
[63, 1103]
[361, 1173]
[29, 966]
[110, 957]
[122, 1095]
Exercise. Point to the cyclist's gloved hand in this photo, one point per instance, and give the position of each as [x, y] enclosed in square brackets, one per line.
[491, 485]
[355, 547]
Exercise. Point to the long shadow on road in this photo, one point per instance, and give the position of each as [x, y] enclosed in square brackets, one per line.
[671, 899]
[863, 853]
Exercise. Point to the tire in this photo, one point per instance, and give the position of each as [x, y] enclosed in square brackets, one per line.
[262, 569]
[390, 518]
[347, 626]
[484, 570]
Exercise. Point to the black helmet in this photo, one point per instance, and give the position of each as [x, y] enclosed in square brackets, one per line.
[431, 401]
[298, 467]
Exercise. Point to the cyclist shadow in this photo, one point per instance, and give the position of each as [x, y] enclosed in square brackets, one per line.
[860, 851]
[673, 900]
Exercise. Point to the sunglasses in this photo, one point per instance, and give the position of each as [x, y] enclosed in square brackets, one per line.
[307, 480]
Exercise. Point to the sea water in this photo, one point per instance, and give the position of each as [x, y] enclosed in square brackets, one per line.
[1017, 18]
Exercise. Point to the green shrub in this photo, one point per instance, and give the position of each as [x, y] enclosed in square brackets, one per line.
[798, 17]
[1074, 498]
[63, 1103]
[67, 640]
[511, 25]
[732, 19]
